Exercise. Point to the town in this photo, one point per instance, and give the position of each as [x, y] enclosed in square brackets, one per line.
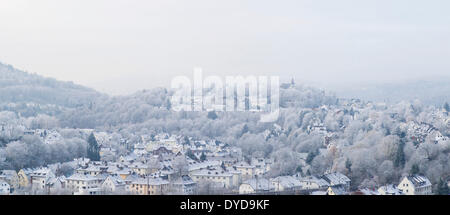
[71, 140]
[175, 165]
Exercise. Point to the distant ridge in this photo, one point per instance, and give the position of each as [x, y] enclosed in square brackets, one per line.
[429, 92]
[17, 86]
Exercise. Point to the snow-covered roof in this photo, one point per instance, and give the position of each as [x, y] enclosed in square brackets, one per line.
[313, 179]
[287, 181]
[81, 177]
[336, 179]
[260, 184]
[419, 181]
[389, 189]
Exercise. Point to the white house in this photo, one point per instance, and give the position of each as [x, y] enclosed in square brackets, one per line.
[415, 185]
[337, 190]
[217, 176]
[337, 179]
[40, 178]
[184, 186]
[286, 183]
[5, 189]
[79, 183]
[256, 186]
[113, 184]
[11, 177]
[389, 189]
[247, 171]
[313, 183]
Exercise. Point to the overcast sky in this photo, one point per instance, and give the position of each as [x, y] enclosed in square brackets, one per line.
[121, 46]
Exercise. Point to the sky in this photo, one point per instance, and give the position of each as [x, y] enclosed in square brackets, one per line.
[122, 46]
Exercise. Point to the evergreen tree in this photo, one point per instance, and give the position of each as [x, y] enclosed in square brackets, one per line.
[244, 129]
[212, 115]
[93, 150]
[399, 160]
[442, 188]
[415, 169]
[202, 157]
[447, 107]
[186, 141]
[310, 157]
[191, 155]
[348, 165]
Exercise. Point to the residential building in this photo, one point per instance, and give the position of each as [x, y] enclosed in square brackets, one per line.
[149, 186]
[113, 185]
[415, 185]
[337, 179]
[11, 177]
[247, 171]
[256, 185]
[184, 186]
[222, 178]
[5, 189]
[286, 183]
[389, 189]
[313, 183]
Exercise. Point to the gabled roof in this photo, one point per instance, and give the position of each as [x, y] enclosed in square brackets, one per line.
[338, 190]
[213, 172]
[313, 179]
[287, 181]
[184, 180]
[336, 179]
[81, 177]
[390, 189]
[116, 180]
[419, 181]
[260, 184]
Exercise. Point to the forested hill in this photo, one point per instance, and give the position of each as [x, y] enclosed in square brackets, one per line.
[18, 87]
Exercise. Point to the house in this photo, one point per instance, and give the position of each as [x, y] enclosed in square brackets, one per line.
[184, 186]
[113, 184]
[237, 178]
[336, 190]
[81, 184]
[256, 186]
[5, 189]
[124, 173]
[141, 168]
[313, 183]
[415, 185]
[247, 171]
[10, 177]
[56, 184]
[107, 153]
[24, 177]
[261, 165]
[198, 166]
[149, 186]
[221, 177]
[337, 179]
[40, 177]
[93, 170]
[162, 151]
[389, 189]
[286, 183]
[139, 149]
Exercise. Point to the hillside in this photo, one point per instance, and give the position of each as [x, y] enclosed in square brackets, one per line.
[22, 88]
